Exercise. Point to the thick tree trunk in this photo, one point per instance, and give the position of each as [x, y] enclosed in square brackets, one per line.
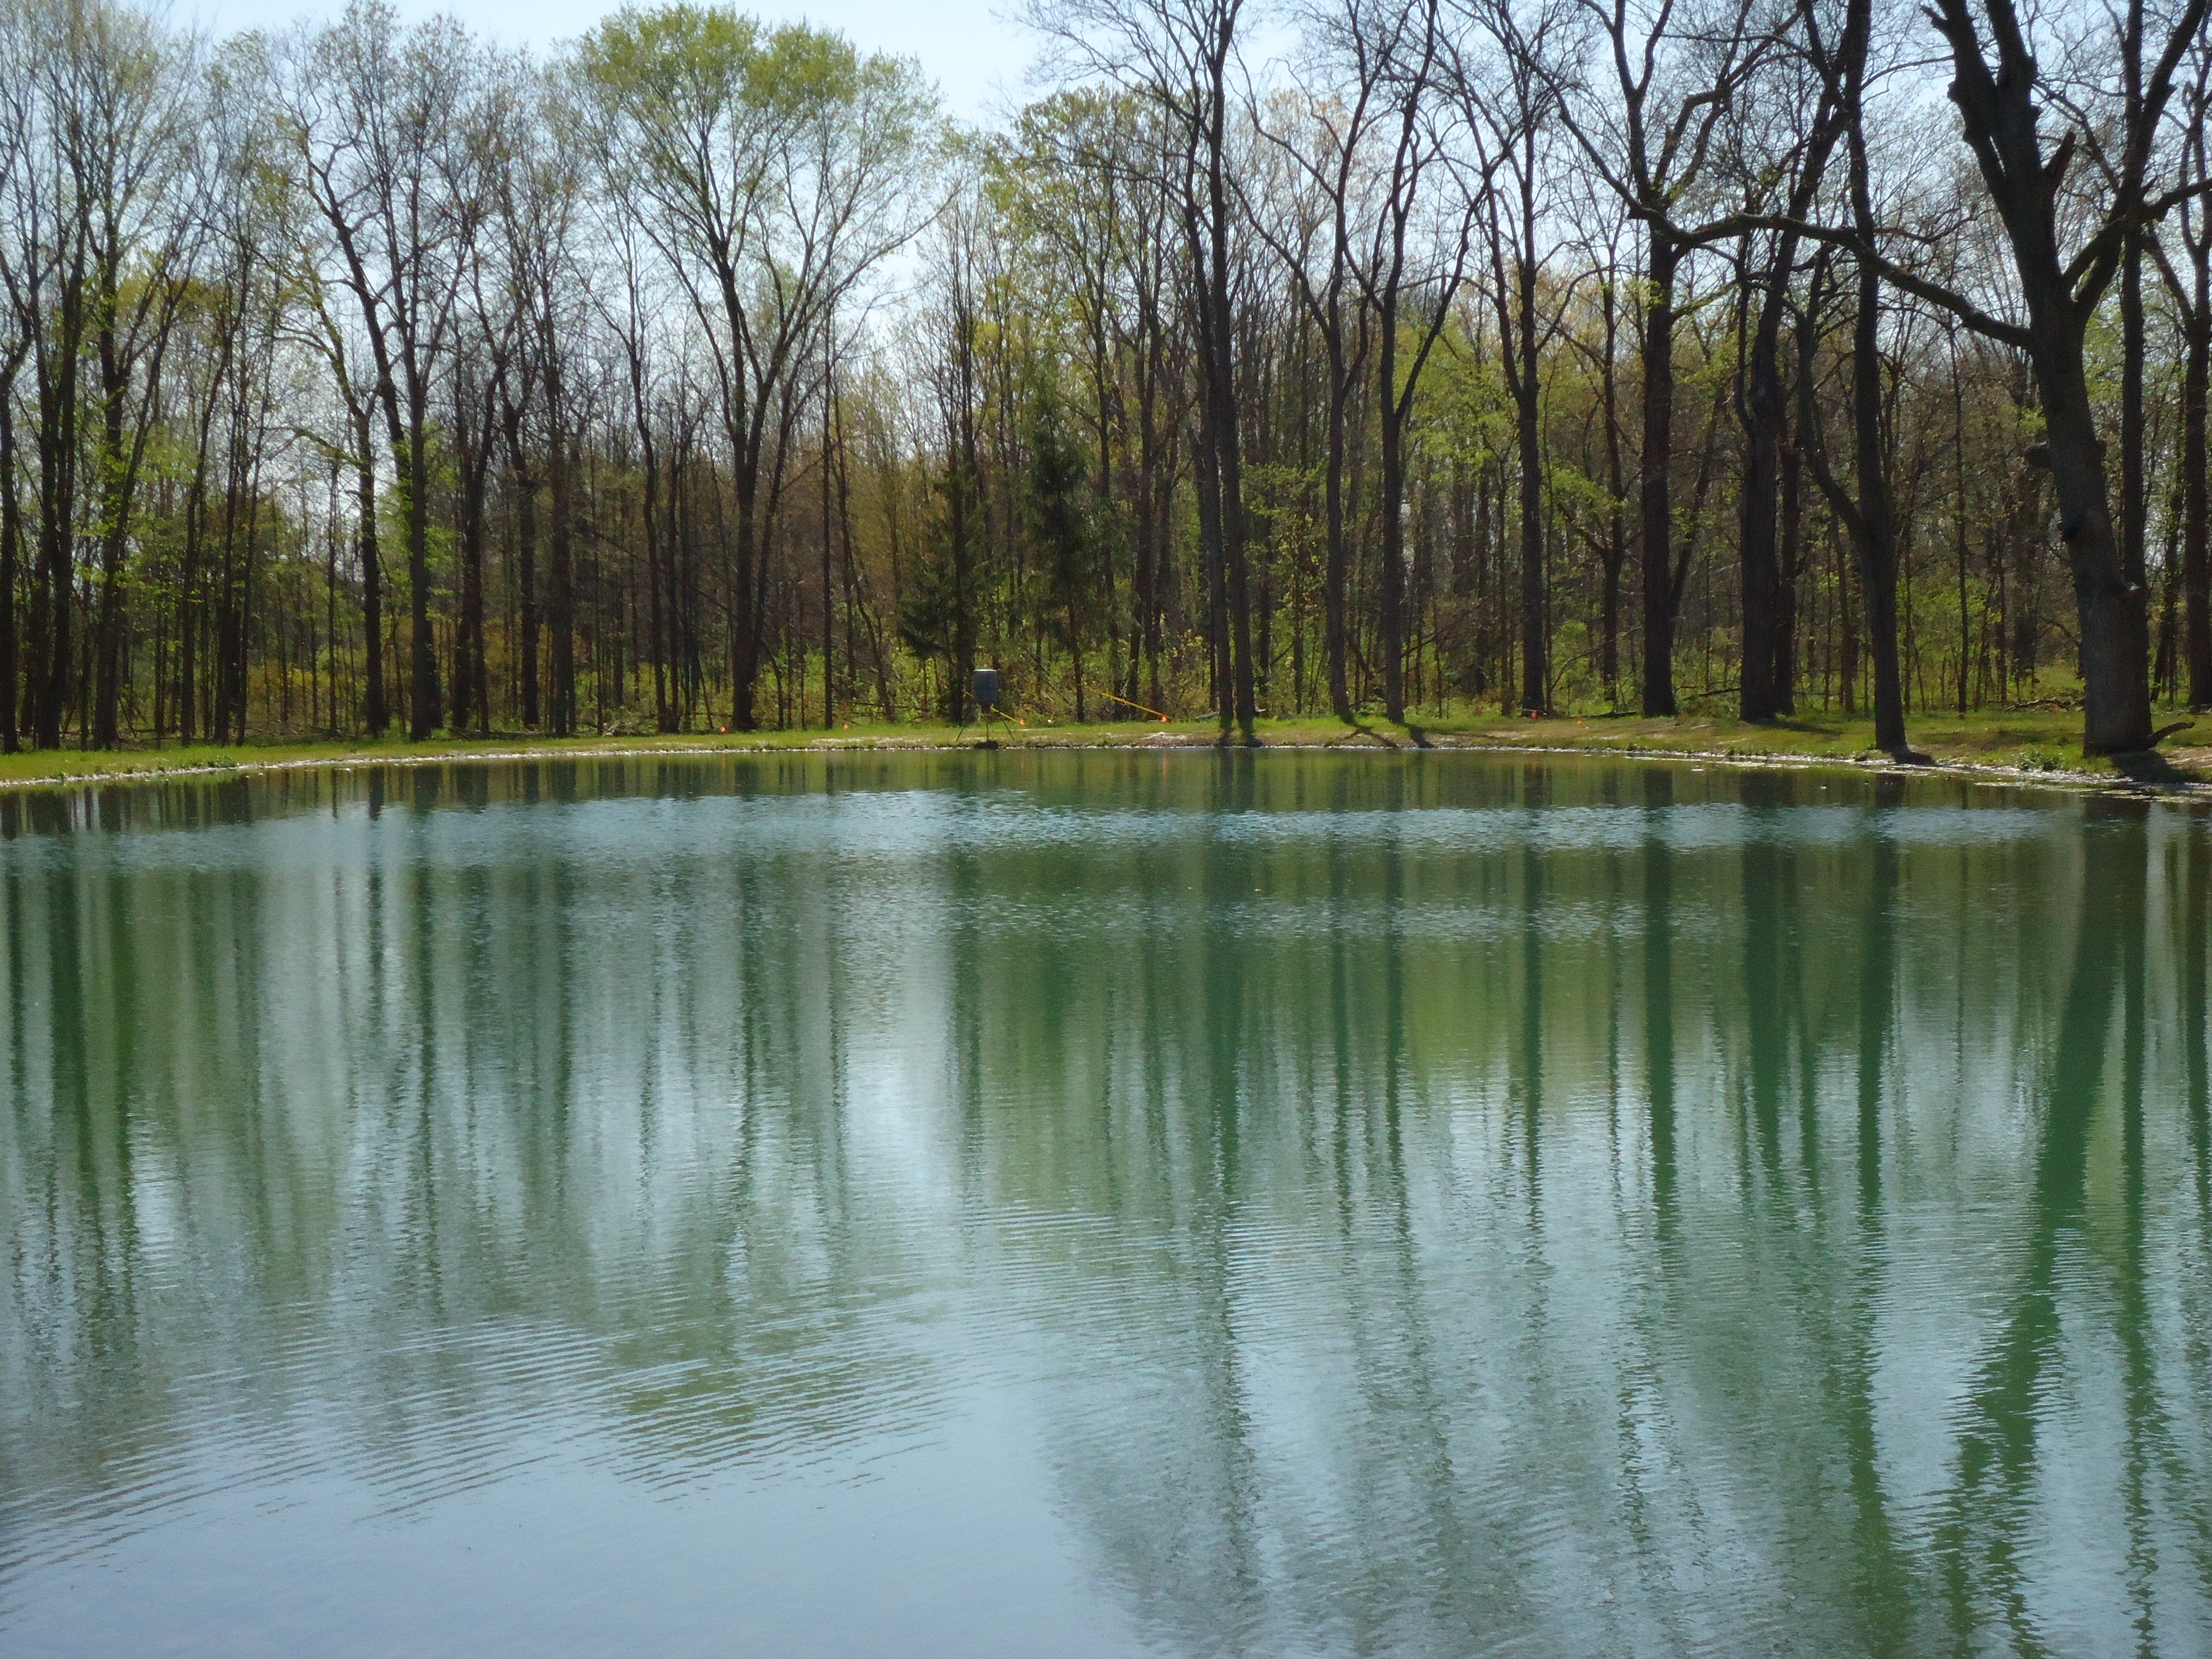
[829, 640]
[472, 682]
[963, 620]
[1536, 669]
[1874, 526]
[1658, 455]
[1228, 463]
[2114, 613]
[1206, 465]
[525, 561]
[1769, 614]
[747, 615]
[1143, 625]
[50, 595]
[1171, 599]
[1785, 593]
[11, 542]
[2134, 526]
[376, 716]
[1336, 579]
[2195, 522]
[664, 712]
[561, 580]
[1998, 109]
[115, 517]
[1392, 573]
[243, 634]
[1615, 555]
[1760, 695]
[422, 690]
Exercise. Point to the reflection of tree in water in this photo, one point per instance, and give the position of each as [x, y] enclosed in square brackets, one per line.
[1401, 1221]
[397, 1158]
[1372, 1421]
[1993, 1529]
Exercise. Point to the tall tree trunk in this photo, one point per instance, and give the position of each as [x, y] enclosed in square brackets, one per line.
[1615, 554]
[114, 531]
[1658, 530]
[1768, 616]
[1760, 695]
[2196, 522]
[2190, 287]
[828, 639]
[1959, 528]
[11, 542]
[1998, 110]
[52, 596]
[1792, 561]
[1206, 463]
[2114, 613]
[561, 580]
[748, 609]
[376, 713]
[1336, 576]
[1535, 667]
[525, 557]
[2133, 564]
[472, 674]
[190, 609]
[423, 698]
[1392, 586]
[241, 682]
[1869, 518]
[655, 554]
[1875, 524]
[1229, 465]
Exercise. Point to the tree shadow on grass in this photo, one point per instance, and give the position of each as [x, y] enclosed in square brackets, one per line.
[2148, 766]
[1366, 730]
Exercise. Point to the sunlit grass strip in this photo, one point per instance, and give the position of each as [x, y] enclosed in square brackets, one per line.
[2032, 741]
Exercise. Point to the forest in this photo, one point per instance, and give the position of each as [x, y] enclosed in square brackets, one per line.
[1365, 358]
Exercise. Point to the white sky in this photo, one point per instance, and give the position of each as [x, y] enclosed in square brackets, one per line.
[976, 54]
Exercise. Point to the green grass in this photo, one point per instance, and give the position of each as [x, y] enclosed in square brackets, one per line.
[2037, 741]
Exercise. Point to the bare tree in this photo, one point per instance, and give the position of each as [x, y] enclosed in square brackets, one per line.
[21, 260]
[1511, 113]
[2062, 279]
[1869, 514]
[384, 123]
[538, 196]
[2188, 285]
[44, 266]
[123, 107]
[1396, 271]
[1324, 140]
[1676, 78]
[630, 304]
[1180, 55]
[1780, 163]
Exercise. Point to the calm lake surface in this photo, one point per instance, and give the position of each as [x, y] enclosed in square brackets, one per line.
[1106, 1203]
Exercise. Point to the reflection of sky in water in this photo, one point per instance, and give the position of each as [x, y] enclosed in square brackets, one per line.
[1328, 1205]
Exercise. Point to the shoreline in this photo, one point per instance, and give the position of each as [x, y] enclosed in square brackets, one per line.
[1744, 748]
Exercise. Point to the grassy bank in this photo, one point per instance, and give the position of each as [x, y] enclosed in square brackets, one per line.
[2043, 743]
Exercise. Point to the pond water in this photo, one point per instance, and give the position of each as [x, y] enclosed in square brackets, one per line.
[1107, 1203]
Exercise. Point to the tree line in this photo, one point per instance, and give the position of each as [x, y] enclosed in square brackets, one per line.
[1374, 355]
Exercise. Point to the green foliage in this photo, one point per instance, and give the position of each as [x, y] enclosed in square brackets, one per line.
[1058, 531]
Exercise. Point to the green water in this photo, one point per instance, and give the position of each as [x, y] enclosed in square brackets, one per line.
[1143, 1203]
